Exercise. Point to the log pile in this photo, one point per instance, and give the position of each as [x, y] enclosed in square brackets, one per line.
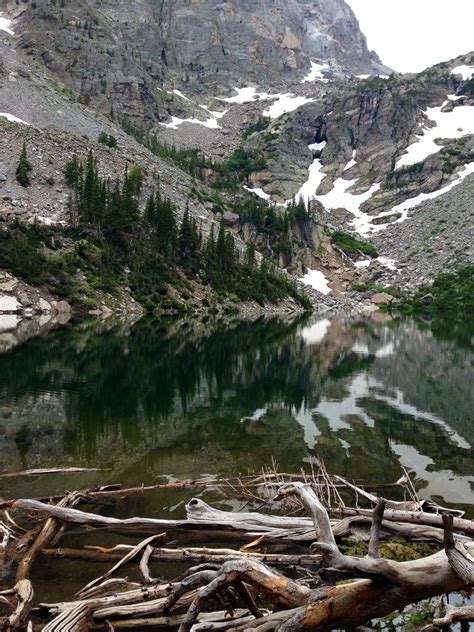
[274, 571]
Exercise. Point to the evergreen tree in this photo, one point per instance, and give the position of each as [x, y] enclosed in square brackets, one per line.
[71, 172]
[23, 168]
[250, 257]
[150, 210]
[189, 244]
[165, 224]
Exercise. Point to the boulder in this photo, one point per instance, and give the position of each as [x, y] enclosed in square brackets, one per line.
[231, 219]
[382, 298]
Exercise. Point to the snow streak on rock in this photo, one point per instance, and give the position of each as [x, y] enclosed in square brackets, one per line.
[5, 25]
[12, 118]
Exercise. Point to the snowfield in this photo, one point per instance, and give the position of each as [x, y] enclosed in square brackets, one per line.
[317, 281]
[465, 71]
[455, 124]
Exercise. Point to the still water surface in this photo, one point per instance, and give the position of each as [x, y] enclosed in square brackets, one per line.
[151, 404]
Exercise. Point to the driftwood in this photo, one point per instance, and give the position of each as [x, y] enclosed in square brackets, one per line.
[74, 620]
[245, 589]
[49, 471]
[392, 585]
[24, 593]
[453, 614]
[190, 554]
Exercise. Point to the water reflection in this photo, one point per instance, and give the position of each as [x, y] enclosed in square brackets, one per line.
[226, 399]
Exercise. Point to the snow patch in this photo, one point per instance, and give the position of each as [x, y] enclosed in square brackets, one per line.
[316, 333]
[405, 206]
[5, 25]
[317, 146]
[285, 103]
[316, 74]
[351, 162]
[180, 94]
[388, 263]
[244, 95]
[317, 281]
[455, 124]
[211, 123]
[465, 71]
[260, 192]
[365, 263]
[13, 119]
[213, 113]
[362, 76]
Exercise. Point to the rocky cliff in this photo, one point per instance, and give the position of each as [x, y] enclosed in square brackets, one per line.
[117, 53]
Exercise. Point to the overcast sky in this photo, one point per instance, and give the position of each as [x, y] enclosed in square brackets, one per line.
[410, 35]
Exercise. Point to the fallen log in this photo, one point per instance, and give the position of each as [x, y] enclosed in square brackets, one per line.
[190, 554]
[208, 621]
[45, 536]
[390, 585]
[454, 614]
[415, 517]
[52, 470]
[24, 593]
[74, 620]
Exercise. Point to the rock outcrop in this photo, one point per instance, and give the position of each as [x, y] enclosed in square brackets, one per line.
[117, 53]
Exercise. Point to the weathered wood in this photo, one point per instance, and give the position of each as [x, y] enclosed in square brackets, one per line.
[375, 529]
[205, 619]
[25, 593]
[144, 565]
[409, 505]
[74, 620]
[46, 534]
[135, 596]
[392, 585]
[127, 558]
[189, 554]
[53, 470]
[454, 614]
[415, 517]
[459, 555]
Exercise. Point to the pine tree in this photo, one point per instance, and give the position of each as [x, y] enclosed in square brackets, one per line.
[165, 224]
[71, 172]
[23, 168]
[221, 246]
[189, 244]
[250, 257]
[150, 210]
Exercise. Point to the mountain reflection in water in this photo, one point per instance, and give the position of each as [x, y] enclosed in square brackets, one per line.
[148, 402]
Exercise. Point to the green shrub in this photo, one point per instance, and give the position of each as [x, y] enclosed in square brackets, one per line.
[352, 246]
[107, 139]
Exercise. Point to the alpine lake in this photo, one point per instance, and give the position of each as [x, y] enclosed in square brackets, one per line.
[151, 404]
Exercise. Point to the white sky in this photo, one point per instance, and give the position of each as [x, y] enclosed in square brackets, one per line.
[410, 35]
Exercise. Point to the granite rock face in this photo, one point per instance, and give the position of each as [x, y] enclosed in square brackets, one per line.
[117, 54]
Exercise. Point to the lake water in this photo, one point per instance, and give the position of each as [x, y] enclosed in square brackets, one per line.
[153, 404]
